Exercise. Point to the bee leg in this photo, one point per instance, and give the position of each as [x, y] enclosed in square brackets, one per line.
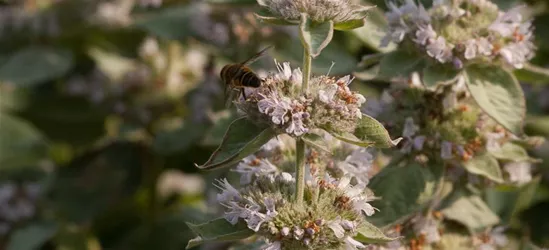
[244, 94]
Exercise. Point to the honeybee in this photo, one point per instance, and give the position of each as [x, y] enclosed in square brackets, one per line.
[238, 75]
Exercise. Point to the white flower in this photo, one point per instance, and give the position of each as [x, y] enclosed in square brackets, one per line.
[229, 193]
[439, 50]
[506, 22]
[327, 94]
[234, 212]
[253, 166]
[419, 141]
[410, 128]
[284, 71]
[336, 227]
[493, 141]
[484, 46]
[427, 227]
[296, 77]
[356, 195]
[270, 206]
[498, 237]
[352, 244]
[286, 177]
[470, 49]
[273, 246]
[446, 150]
[519, 172]
[275, 108]
[298, 232]
[296, 126]
[424, 34]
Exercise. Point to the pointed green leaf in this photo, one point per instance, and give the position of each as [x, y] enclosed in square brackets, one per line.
[368, 233]
[21, 144]
[316, 142]
[368, 132]
[315, 36]
[472, 212]
[499, 94]
[35, 65]
[399, 63]
[403, 191]
[438, 74]
[241, 139]
[533, 74]
[350, 24]
[218, 230]
[268, 17]
[32, 236]
[511, 152]
[485, 165]
[373, 31]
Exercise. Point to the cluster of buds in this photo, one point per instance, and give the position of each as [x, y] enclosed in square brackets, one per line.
[454, 129]
[329, 104]
[335, 208]
[462, 31]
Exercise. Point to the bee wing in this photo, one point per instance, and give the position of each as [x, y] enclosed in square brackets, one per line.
[256, 56]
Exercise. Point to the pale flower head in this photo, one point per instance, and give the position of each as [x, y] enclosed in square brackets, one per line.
[317, 10]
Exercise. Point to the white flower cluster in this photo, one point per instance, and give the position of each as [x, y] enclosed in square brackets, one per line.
[318, 10]
[17, 202]
[495, 239]
[330, 104]
[491, 34]
[265, 200]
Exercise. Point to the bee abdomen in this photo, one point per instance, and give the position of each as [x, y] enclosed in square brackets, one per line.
[250, 79]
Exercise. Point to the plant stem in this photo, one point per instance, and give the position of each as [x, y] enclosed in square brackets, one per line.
[300, 144]
[307, 63]
[300, 171]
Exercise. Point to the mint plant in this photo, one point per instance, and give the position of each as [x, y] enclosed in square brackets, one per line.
[303, 206]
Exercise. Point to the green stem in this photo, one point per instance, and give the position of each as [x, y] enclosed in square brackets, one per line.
[307, 63]
[300, 171]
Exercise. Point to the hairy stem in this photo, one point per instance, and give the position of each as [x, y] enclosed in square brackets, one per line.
[300, 171]
[307, 63]
[300, 144]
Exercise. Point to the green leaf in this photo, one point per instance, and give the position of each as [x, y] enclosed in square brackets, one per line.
[175, 23]
[168, 232]
[350, 24]
[35, 65]
[98, 180]
[241, 139]
[511, 152]
[32, 236]
[315, 36]
[21, 144]
[437, 73]
[403, 191]
[485, 165]
[368, 132]
[368, 233]
[472, 212]
[267, 17]
[399, 63]
[507, 202]
[316, 142]
[177, 140]
[532, 74]
[498, 93]
[374, 30]
[218, 230]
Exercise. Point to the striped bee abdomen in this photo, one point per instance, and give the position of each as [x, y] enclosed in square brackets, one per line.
[248, 78]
